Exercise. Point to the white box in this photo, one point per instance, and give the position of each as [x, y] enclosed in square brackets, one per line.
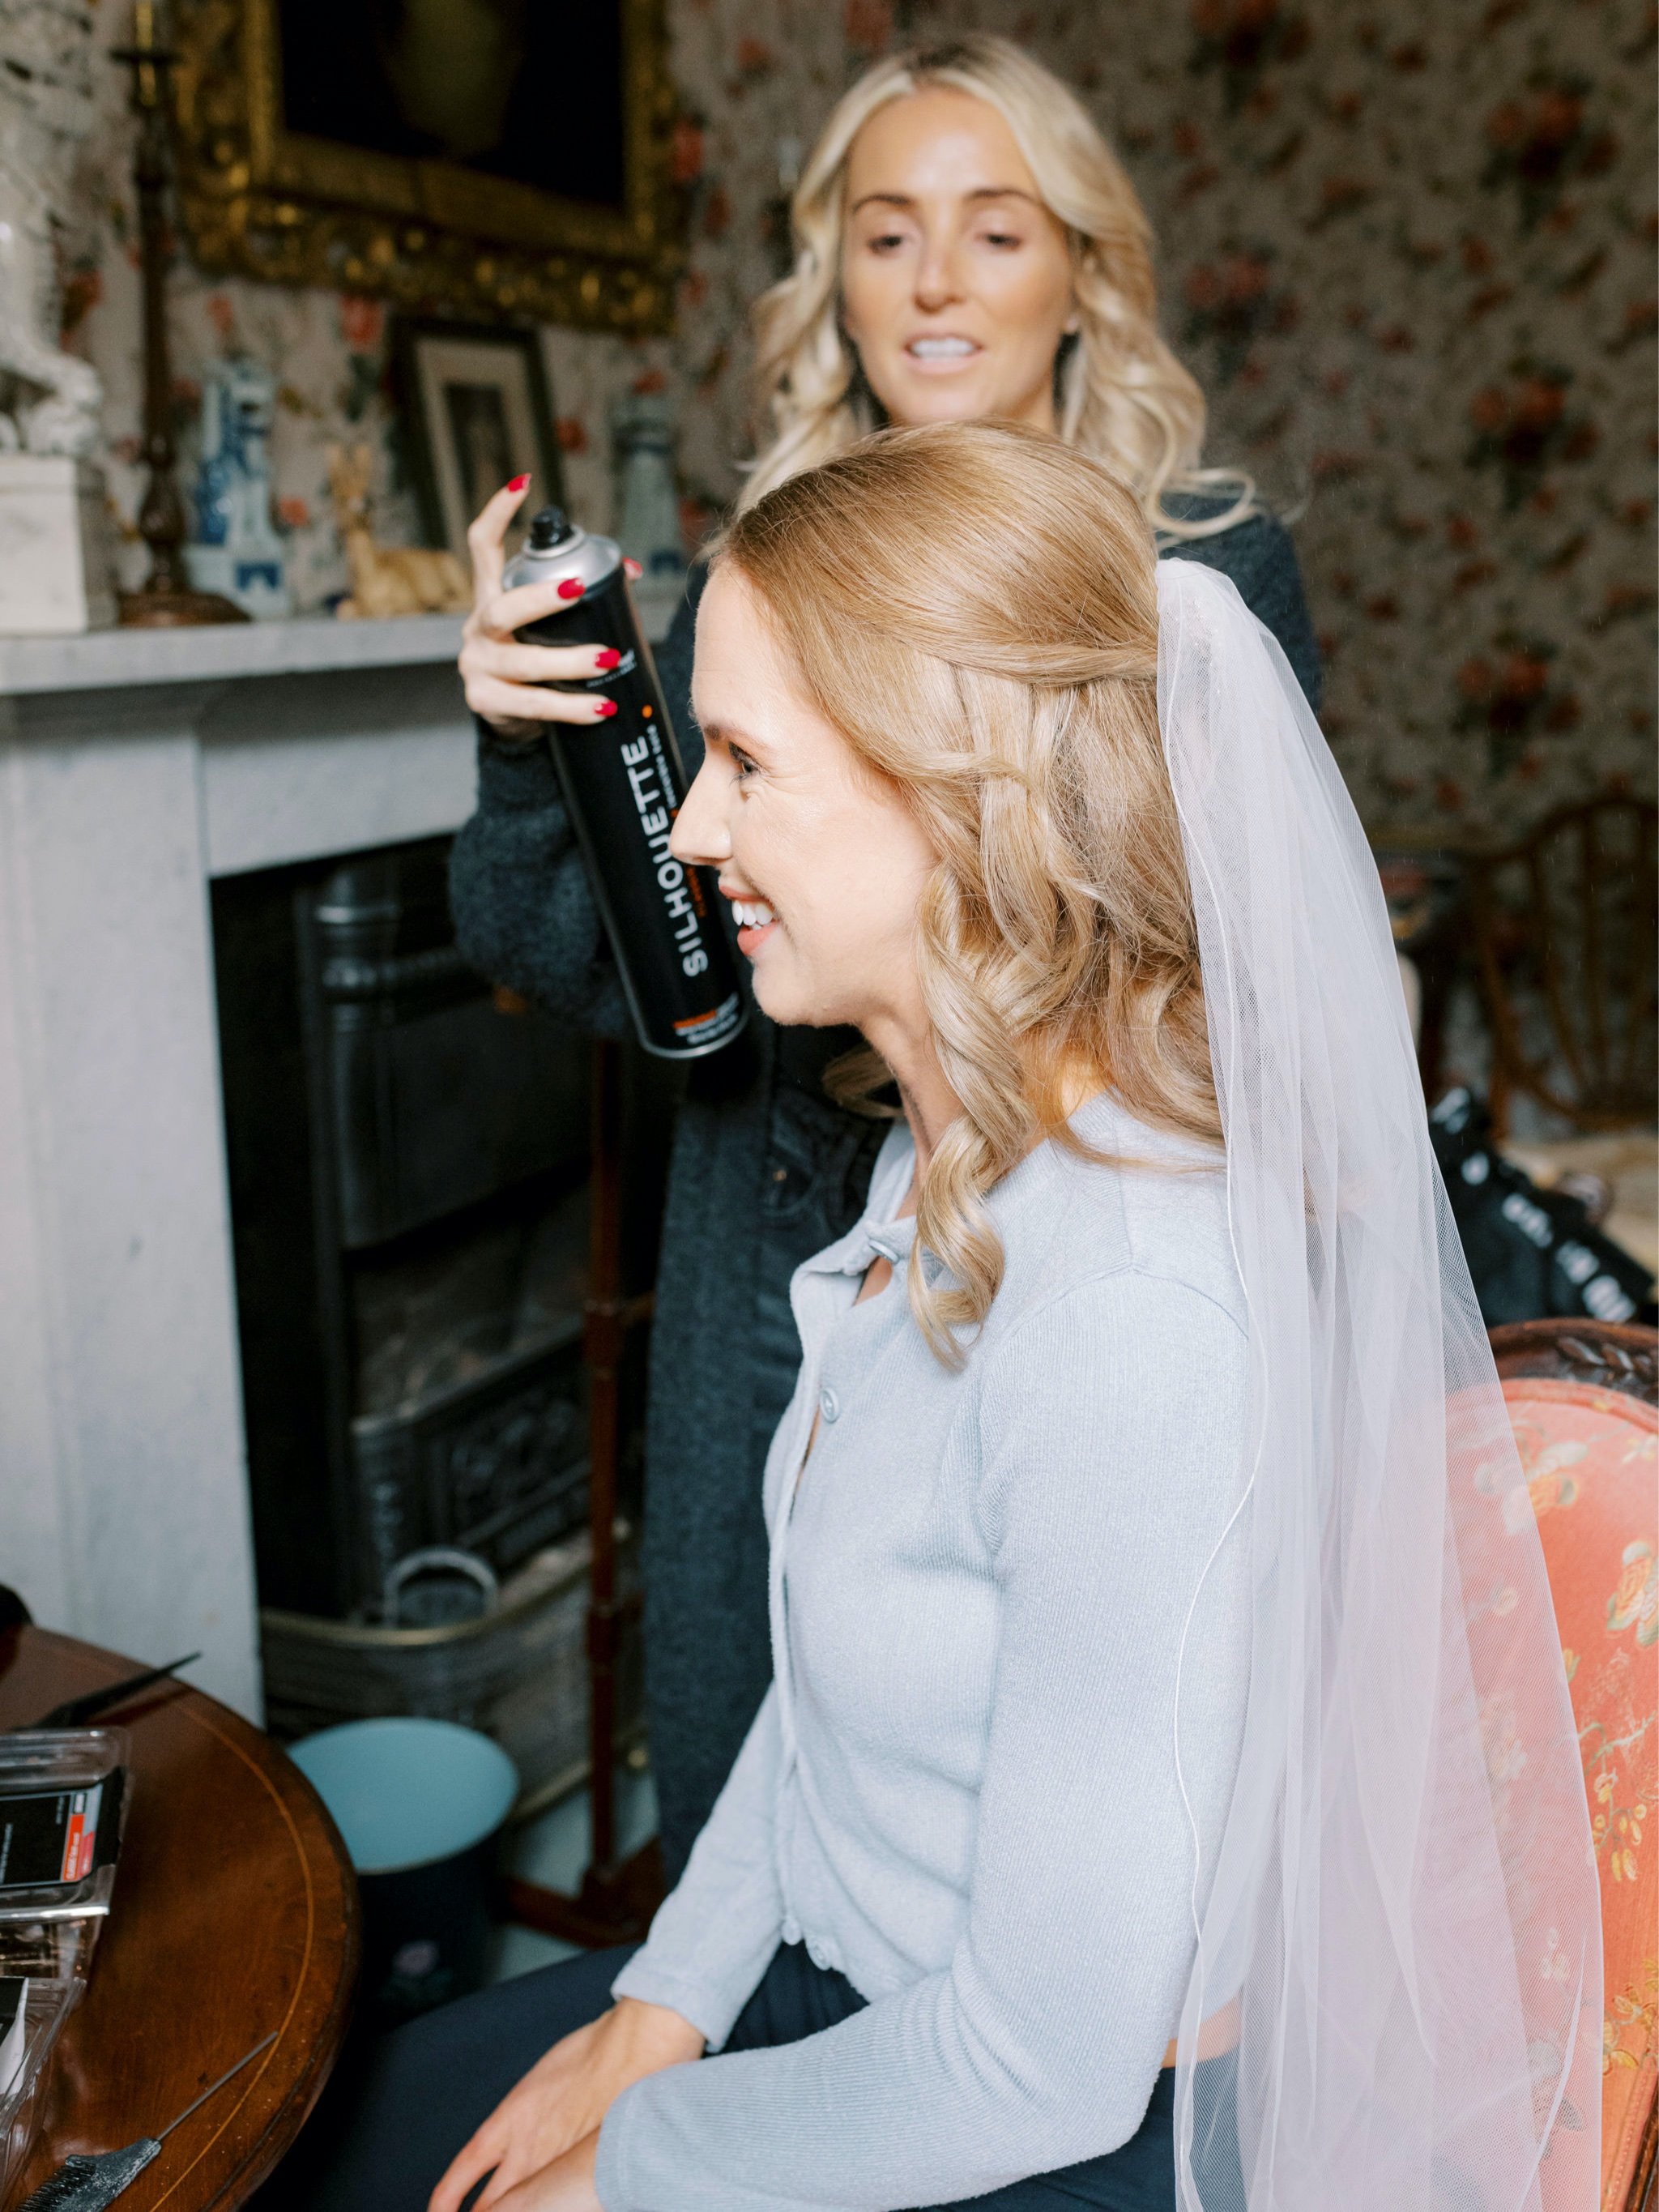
[54, 546]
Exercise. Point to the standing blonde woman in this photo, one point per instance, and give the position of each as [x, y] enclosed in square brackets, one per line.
[967, 246]
[1167, 1793]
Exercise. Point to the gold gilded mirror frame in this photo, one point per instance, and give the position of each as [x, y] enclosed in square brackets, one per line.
[259, 200]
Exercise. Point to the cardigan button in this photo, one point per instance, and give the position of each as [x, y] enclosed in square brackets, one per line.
[828, 1403]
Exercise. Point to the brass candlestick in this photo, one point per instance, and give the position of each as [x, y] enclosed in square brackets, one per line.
[166, 601]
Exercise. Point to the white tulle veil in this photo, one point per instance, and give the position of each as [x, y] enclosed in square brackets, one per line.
[1399, 1930]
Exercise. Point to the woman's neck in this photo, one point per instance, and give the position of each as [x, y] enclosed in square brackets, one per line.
[930, 1105]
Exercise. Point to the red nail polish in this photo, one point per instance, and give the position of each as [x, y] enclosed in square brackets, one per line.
[610, 658]
[570, 589]
[606, 707]
[518, 483]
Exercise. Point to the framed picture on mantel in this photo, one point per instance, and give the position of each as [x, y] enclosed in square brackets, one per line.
[474, 410]
[433, 151]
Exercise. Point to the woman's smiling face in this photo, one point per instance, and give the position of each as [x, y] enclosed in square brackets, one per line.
[823, 862]
[956, 279]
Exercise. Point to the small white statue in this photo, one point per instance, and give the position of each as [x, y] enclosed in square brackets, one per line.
[55, 567]
[45, 109]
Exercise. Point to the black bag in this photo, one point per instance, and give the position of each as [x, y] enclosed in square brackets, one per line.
[1535, 1255]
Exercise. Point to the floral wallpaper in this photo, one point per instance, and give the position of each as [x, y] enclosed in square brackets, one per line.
[1409, 249]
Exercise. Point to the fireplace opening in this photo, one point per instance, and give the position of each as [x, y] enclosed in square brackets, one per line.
[409, 1163]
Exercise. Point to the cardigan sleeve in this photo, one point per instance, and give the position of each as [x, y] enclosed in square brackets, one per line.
[714, 1934]
[525, 914]
[1110, 1498]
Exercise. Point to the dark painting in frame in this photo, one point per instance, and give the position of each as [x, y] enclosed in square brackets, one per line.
[433, 153]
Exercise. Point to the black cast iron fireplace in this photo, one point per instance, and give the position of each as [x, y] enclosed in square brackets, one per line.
[410, 1156]
[444, 1212]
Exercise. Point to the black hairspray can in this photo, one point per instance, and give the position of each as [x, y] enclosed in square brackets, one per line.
[623, 783]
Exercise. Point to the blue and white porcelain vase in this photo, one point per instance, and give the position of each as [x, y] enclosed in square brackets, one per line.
[236, 549]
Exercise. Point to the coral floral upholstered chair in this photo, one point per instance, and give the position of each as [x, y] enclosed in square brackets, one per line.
[1582, 1399]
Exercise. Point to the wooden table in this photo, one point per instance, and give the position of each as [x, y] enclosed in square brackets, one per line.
[235, 1912]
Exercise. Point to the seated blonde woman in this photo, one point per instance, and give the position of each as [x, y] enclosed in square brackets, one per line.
[967, 246]
[1117, 1822]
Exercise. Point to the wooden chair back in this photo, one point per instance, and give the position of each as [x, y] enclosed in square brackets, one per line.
[1565, 938]
[1585, 1401]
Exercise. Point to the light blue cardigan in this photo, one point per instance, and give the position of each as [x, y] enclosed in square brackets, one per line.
[962, 1789]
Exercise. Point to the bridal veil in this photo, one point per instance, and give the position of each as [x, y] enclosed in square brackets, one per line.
[1401, 1915]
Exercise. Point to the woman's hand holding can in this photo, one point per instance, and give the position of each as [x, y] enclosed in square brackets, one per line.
[508, 684]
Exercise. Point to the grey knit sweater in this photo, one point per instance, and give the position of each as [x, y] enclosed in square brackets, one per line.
[765, 1170]
[964, 1789]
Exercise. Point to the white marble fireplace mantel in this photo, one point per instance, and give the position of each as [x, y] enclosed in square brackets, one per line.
[116, 657]
[135, 767]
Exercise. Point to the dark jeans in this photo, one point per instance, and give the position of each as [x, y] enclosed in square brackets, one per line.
[430, 2084]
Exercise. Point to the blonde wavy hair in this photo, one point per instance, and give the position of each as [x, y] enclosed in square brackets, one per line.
[1121, 393]
[973, 606]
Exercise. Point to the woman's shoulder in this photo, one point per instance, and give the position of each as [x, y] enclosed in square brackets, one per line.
[1150, 1205]
[1120, 1325]
[1259, 545]
[1259, 555]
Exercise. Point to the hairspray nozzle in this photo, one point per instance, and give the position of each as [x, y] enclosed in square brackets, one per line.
[550, 527]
